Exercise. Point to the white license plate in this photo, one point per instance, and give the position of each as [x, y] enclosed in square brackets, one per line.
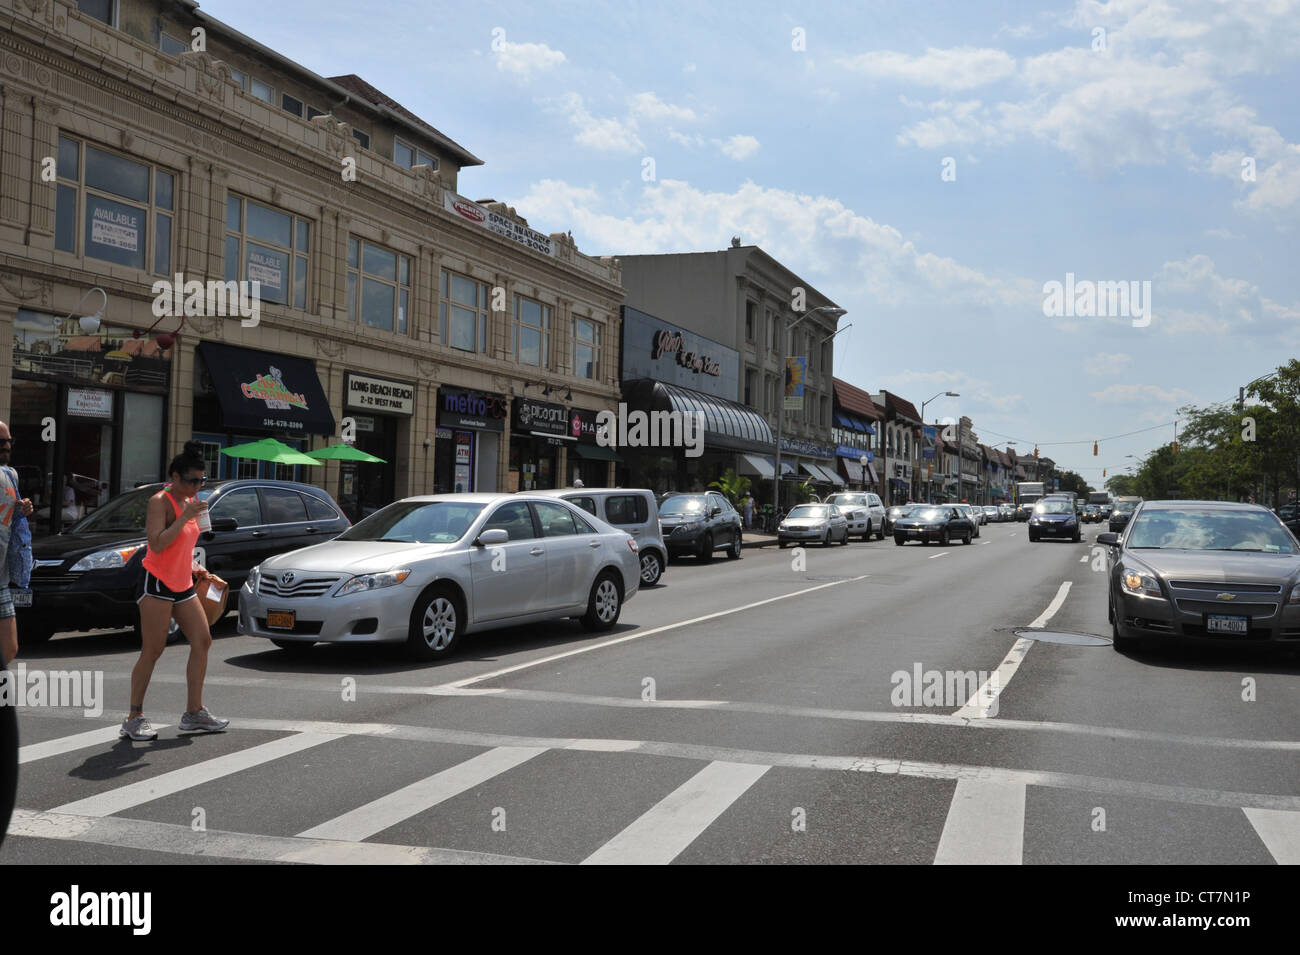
[913, 533]
[22, 598]
[1237, 626]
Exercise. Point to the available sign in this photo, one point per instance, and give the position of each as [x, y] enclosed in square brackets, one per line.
[503, 226]
[378, 394]
[90, 403]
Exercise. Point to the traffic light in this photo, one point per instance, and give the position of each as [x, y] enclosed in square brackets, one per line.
[1175, 447]
[1094, 449]
[1035, 452]
[1103, 472]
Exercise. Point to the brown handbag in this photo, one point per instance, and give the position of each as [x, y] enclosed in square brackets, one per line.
[213, 606]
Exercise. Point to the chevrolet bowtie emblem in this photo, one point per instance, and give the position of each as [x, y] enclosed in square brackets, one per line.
[1227, 596]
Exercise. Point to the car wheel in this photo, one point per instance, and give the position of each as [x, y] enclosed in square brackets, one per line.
[706, 548]
[880, 534]
[652, 568]
[966, 539]
[943, 537]
[898, 539]
[845, 541]
[826, 541]
[781, 544]
[605, 603]
[1078, 538]
[1033, 539]
[437, 619]
[733, 552]
[297, 648]
[1117, 641]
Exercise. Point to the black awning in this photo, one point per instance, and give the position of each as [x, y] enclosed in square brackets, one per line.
[728, 425]
[596, 452]
[266, 392]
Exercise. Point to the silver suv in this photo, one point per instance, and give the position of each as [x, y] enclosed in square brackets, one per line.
[632, 510]
[865, 511]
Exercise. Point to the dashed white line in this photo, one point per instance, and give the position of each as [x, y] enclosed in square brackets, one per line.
[942, 553]
[1083, 559]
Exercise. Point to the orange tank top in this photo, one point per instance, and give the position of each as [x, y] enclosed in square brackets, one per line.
[175, 565]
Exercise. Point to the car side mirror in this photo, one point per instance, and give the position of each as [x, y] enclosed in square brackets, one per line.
[493, 537]
[225, 524]
[1108, 539]
[715, 511]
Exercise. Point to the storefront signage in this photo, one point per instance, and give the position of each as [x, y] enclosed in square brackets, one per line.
[582, 425]
[503, 226]
[807, 448]
[541, 417]
[656, 350]
[845, 451]
[90, 403]
[467, 408]
[378, 394]
[271, 389]
[669, 342]
[264, 391]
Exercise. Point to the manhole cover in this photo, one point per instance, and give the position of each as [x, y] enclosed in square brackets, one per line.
[832, 577]
[1065, 636]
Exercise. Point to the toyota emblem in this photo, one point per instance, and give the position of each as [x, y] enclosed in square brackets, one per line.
[287, 577]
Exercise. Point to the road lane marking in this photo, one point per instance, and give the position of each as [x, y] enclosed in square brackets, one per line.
[646, 633]
[181, 840]
[1083, 559]
[69, 744]
[985, 824]
[147, 790]
[365, 821]
[1279, 831]
[677, 820]
[942, 553]
[983, 704]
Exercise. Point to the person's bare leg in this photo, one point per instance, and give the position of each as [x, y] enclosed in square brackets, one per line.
[194, 622]
[155, 617]
[8, 639]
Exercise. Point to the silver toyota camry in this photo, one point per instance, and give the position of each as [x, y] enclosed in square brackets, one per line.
[425, 571]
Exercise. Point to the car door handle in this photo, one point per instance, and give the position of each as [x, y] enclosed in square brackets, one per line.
[311, 530]
[259, 533]
[593, 543]
[537, 551]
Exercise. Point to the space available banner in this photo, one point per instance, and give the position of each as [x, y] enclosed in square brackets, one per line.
[495, 222]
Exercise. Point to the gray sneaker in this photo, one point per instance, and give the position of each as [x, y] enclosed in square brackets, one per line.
[138, 728]
[202, 722]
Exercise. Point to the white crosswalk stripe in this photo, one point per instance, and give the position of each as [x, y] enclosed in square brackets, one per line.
[678, 819]
[985, 825]
[70, 744]
[1279, 830]
[147, 790]
[364, 821]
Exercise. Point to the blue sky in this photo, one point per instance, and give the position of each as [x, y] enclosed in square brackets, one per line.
[1102, 139]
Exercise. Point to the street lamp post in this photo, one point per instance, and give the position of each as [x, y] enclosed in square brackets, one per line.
[929, 490]
[834, 312]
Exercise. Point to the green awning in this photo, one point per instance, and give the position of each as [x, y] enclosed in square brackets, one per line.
[596, 452]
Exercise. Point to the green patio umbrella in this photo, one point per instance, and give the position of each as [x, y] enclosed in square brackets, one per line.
[344, 452]
[269, 449]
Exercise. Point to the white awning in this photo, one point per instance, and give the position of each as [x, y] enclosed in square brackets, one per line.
[757, 464]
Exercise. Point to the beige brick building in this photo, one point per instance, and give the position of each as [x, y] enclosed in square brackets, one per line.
[144, 141]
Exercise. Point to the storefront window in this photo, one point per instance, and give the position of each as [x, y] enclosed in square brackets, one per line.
[268, 246]
[379, 285]
[117, 199]
[530, 334]
[142, 419]
[463, 313]
[586, 348]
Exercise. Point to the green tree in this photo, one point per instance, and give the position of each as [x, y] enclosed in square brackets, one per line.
[732, 485]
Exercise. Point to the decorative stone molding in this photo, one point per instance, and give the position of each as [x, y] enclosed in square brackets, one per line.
[329, 347]
[428, 184]
[427, 369]
[209, 326]
[19, 287]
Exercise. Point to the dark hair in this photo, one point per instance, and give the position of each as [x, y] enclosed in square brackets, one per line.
[190, 458]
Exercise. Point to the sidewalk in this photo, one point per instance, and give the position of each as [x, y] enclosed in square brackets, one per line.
[758, 539]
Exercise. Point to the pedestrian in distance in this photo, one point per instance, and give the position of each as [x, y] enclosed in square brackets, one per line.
[14, 510]
[172, 528]
[749, 510]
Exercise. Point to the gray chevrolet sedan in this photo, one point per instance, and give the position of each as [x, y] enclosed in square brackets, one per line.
[426, 571]
[1204, 571]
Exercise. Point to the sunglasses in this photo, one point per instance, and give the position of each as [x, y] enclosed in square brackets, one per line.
[6, 442]
[198, 480]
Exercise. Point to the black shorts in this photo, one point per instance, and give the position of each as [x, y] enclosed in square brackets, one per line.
[153, 587]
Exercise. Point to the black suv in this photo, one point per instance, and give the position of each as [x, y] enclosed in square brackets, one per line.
[699, 524]
[89, 576]
[1124, 507]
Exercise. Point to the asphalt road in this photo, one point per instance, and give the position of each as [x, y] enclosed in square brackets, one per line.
[742, 711]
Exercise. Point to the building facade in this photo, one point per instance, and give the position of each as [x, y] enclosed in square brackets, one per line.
[145, 142]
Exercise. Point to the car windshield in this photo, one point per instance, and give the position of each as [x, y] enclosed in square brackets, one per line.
[1125, 507]
[682, 504]
[416, 522]
[930, 514]
[819, 511]
[125, 512]
[847, 500]
[899, 511]
[1209, 529]
[1054, 507]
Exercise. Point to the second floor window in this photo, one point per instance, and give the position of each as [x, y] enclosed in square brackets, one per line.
[586, 348]
[463, 313]
[101, 10]
[124, 207]
[379, 285]
[267, 246]
[404, 154]
[262, 91]
[530, 333]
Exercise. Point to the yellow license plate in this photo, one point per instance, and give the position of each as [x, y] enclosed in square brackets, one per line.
[279, 619]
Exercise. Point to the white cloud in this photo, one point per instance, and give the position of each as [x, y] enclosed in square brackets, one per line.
[958, 68]
[649, 107]
[687, 140]
[978, 391]
[688, 68]
[953, 123]
[1205, 302]
[1133, 394]
[738, 147]
[1104, 364]
[1220, 234]
[525, 59]
[606, 135]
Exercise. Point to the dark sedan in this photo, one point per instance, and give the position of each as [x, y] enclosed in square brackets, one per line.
[941, 522]
[894, 514]
[1055, 517]
[1205, 571]
[700, 524]
[1123, 511]
[89, 576]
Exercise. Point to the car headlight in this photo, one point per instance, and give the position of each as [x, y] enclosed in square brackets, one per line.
[689, 527]
[1295, 595]
[363, 582]
[108, 559]
[1144, 585]
[254, 578]
[1069, 521]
